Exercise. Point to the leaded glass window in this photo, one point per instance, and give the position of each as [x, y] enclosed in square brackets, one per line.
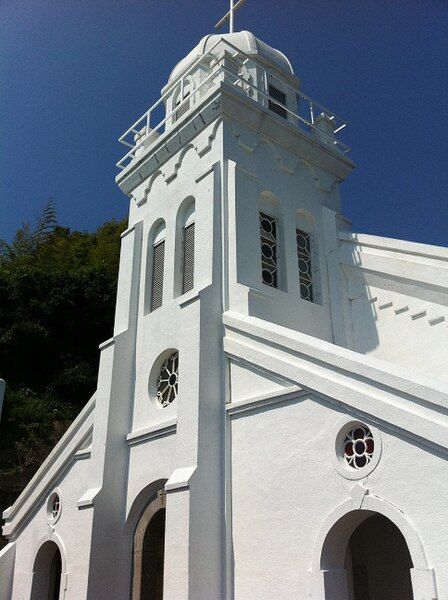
[188, 259]
[358, 447]
[168, 380]
[269, 258]
[305, 264]
[158, 264]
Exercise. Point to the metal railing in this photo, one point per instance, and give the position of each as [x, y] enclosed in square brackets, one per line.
[136, 137]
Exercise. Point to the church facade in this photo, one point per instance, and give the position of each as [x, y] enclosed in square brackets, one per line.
[271, 417]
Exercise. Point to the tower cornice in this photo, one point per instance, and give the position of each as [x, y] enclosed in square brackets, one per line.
[234, 107]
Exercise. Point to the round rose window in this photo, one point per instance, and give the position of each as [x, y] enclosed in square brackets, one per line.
[358, 447]
[54, 506]
[168, 380]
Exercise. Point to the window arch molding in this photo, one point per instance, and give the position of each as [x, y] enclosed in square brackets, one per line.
[134, 528]
[45, 550]
[185, 247]
[155, 266]
[155, 504]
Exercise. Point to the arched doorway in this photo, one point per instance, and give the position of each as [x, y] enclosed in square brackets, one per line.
[47, 573]
[365, 556]
[378, 562]
[149, 551]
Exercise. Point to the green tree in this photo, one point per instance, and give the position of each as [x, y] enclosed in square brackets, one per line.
[57, 300]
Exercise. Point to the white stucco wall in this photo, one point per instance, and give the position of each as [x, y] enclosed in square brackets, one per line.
[397, 301]
[284, 484]
[71, 532]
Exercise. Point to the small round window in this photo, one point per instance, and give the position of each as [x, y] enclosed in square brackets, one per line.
[168, 380]
[54, 507]
[358, 447]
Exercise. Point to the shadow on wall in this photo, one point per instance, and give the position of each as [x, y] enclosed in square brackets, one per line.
[366, 555]
[114, 558]
[361, 318]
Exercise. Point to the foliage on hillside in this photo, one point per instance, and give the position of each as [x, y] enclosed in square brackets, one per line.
[57, 298]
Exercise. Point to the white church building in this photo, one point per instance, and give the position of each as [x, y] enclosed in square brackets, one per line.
[271, 417]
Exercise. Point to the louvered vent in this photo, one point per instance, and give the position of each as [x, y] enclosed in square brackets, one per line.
[188, 262]
[157, 275]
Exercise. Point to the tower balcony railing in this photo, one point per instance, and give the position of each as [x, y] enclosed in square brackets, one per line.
[313, 118]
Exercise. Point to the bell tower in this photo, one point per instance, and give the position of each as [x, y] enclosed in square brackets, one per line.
[233, 180]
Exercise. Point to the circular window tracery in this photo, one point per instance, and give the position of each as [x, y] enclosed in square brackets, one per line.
[358, 447]
[54, 507]
[168, 380]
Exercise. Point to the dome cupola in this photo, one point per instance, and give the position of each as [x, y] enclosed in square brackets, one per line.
[243, 41]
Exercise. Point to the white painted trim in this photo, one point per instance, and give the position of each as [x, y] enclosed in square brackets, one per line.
[248, 404]
[88, 498]
[378, 505]
[393, 245]
[83, 453]
[408, 404]
[150, 433]
[402, 379]
[422, 577]
[139, 535]
[52, 521]
[340, 429]
[189, 298]
[51, 536]
[180, 479]
[107, 343]
[127, 231]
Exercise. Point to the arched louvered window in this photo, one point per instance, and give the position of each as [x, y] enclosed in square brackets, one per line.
[188, 254]
[158, 265]
[185, 247]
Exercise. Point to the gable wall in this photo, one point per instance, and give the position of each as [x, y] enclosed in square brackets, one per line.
[284, 484]
[72, 531]
[397, 307]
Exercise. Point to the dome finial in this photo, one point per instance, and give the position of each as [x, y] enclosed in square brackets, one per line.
[229, 15]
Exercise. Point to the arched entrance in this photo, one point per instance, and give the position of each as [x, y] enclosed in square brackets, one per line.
[364, 556]
[149, 550]
[378, 562]
[47, 573]
[329, 577]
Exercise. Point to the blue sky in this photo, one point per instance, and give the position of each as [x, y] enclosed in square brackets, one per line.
[76, 73]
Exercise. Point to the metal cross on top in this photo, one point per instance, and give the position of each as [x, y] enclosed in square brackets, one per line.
[230, 15]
